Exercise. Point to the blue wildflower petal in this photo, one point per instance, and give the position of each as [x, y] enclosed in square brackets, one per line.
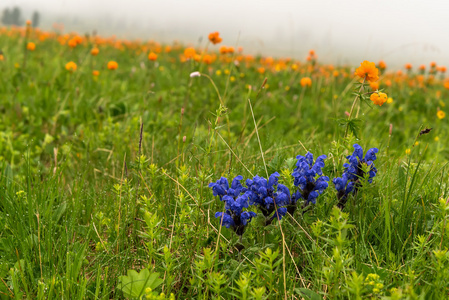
[371, 154]
[273, 180]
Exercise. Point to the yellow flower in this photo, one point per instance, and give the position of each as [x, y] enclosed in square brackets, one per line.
[436, 139]
[71, 66]
[218, 72]
[441, 114]
[416, 143]
[408, 151]
[389, 100]
[367, 71]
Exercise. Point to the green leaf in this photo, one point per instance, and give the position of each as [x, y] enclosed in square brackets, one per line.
[308, 294]
[134, 284]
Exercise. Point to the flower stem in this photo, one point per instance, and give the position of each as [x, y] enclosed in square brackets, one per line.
[353, 105]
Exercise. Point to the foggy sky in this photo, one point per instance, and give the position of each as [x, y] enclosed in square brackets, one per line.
[341, 31]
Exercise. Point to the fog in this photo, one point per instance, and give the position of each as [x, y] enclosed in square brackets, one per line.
[340, 31]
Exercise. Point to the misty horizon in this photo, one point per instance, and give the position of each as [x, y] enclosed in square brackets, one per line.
[346, 32]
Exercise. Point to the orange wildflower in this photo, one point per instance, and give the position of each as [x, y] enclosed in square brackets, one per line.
[152, 56]
[94, 51]
[408, 66]
[28, 22]
[230, 50]
[261, 70]
[71, 66]
[441, 114]
[31, 46]
[433, 64]
[72, 43]
[2, 58]
[374, 86]
[442, 69]
[422, 67]
[215, 38]
[112, 65]
[382, 65]
[95, 73]
[207, 59]
[189, 52]
[305, 81]
[446, 84]
[378, 98]
[367, 71]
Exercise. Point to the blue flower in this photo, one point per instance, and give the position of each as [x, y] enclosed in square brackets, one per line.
[268, 195]
[221, 187]
[236, 198]
[350, 180]
[308, 177]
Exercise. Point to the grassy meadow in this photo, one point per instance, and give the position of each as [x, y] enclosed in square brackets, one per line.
[108, 149]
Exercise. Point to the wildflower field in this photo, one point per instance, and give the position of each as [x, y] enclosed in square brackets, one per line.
[139, 170]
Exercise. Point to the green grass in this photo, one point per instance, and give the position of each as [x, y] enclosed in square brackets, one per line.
[84, 197]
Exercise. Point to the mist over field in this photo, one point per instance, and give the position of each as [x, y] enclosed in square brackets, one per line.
[340, 31]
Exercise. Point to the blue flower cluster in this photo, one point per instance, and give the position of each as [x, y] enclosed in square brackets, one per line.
[350, 180]
[236, 198]
[269, 195]
[274, 199]
[309, 179]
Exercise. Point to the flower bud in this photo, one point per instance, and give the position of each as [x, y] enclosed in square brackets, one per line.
[195, 74]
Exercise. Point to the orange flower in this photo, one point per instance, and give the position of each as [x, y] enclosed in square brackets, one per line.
[31, 46]
[382, 65]
[189, 52]
[207, 59]
[167, 49]
[305, 81]
[312, 52]
[95, 73]
[223, 50]
[408, 66]
[261, 70]
[441, 114]
[112, 65]
[28, 22]
[152, 56]
[367, 71]
[72, 43]
[374, 86]
[94, 51]
[422, 67]
[215, 38]
[71, 66]
[230, 50]
[379, 98]
[446, 84]
[433, 64]
[442, 69]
